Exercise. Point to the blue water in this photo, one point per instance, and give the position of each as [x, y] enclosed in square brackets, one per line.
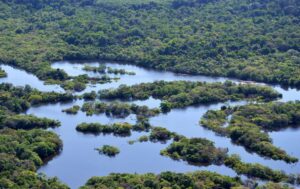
[79, 161]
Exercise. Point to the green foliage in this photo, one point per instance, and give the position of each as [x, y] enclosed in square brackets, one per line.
[89, 96]
[19, 99]
[272, 185]
[119, 129]
[179, 94]
[160, 134]
[250, 123]
[108, 150]
[72, 110]
[2, 73]
[23, 147]
[35, 145]
[25, 122]
[21, 153]
[116, 109]
[74, 86]
[142, 123]
[196, 180]
[254, 170]
[202, 152]
[143, 138]
[272, 116]
[195, 151]
[215, 120]
[165, 107]
[100, 69]
[253, 40]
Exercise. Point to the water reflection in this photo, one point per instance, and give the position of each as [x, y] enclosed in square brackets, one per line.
[21, 78]
[79, 161]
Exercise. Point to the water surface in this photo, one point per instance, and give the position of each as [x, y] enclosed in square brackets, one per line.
[79, 161]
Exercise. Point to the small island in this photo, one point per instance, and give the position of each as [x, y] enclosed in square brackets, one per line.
[72, 110]
[108, 150]
[2, 73]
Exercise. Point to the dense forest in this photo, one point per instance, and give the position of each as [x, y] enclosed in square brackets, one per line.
[24, 147]
[117, 109]
[19, 99]
[202, 152]
[253, 40]
[22, 153]
[197, 180]
[118, 129]
[178, 94]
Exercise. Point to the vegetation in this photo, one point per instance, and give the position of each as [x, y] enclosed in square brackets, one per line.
[202, 152]
[72, 110]
[199, 151]
[117, 109]
[21, 153]
[251, 40]
[250, 123]
[255, 40]
[197, 180]
[272, 185]
[160, 134]
[143, 138]
[23, 146]
[195, 151]
[108, 150]
[254, 170]
[25, 121]
[100, 69]
[119, 129]
[78, 83]
[74, 85]
[2, 73]
[178, 94]
[33, 145]
[19, 99]
[142, 123]
[90, 96]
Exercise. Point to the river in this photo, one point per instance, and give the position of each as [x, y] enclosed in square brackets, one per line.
[78, 160]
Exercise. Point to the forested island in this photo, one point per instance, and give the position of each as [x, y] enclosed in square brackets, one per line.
[119, 129]
[117, 109]
[249, 126]
[108, 150]
[2, 73]
[230, 43]
[178, 94]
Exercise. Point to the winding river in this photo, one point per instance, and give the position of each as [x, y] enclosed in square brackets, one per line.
[78, 160]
